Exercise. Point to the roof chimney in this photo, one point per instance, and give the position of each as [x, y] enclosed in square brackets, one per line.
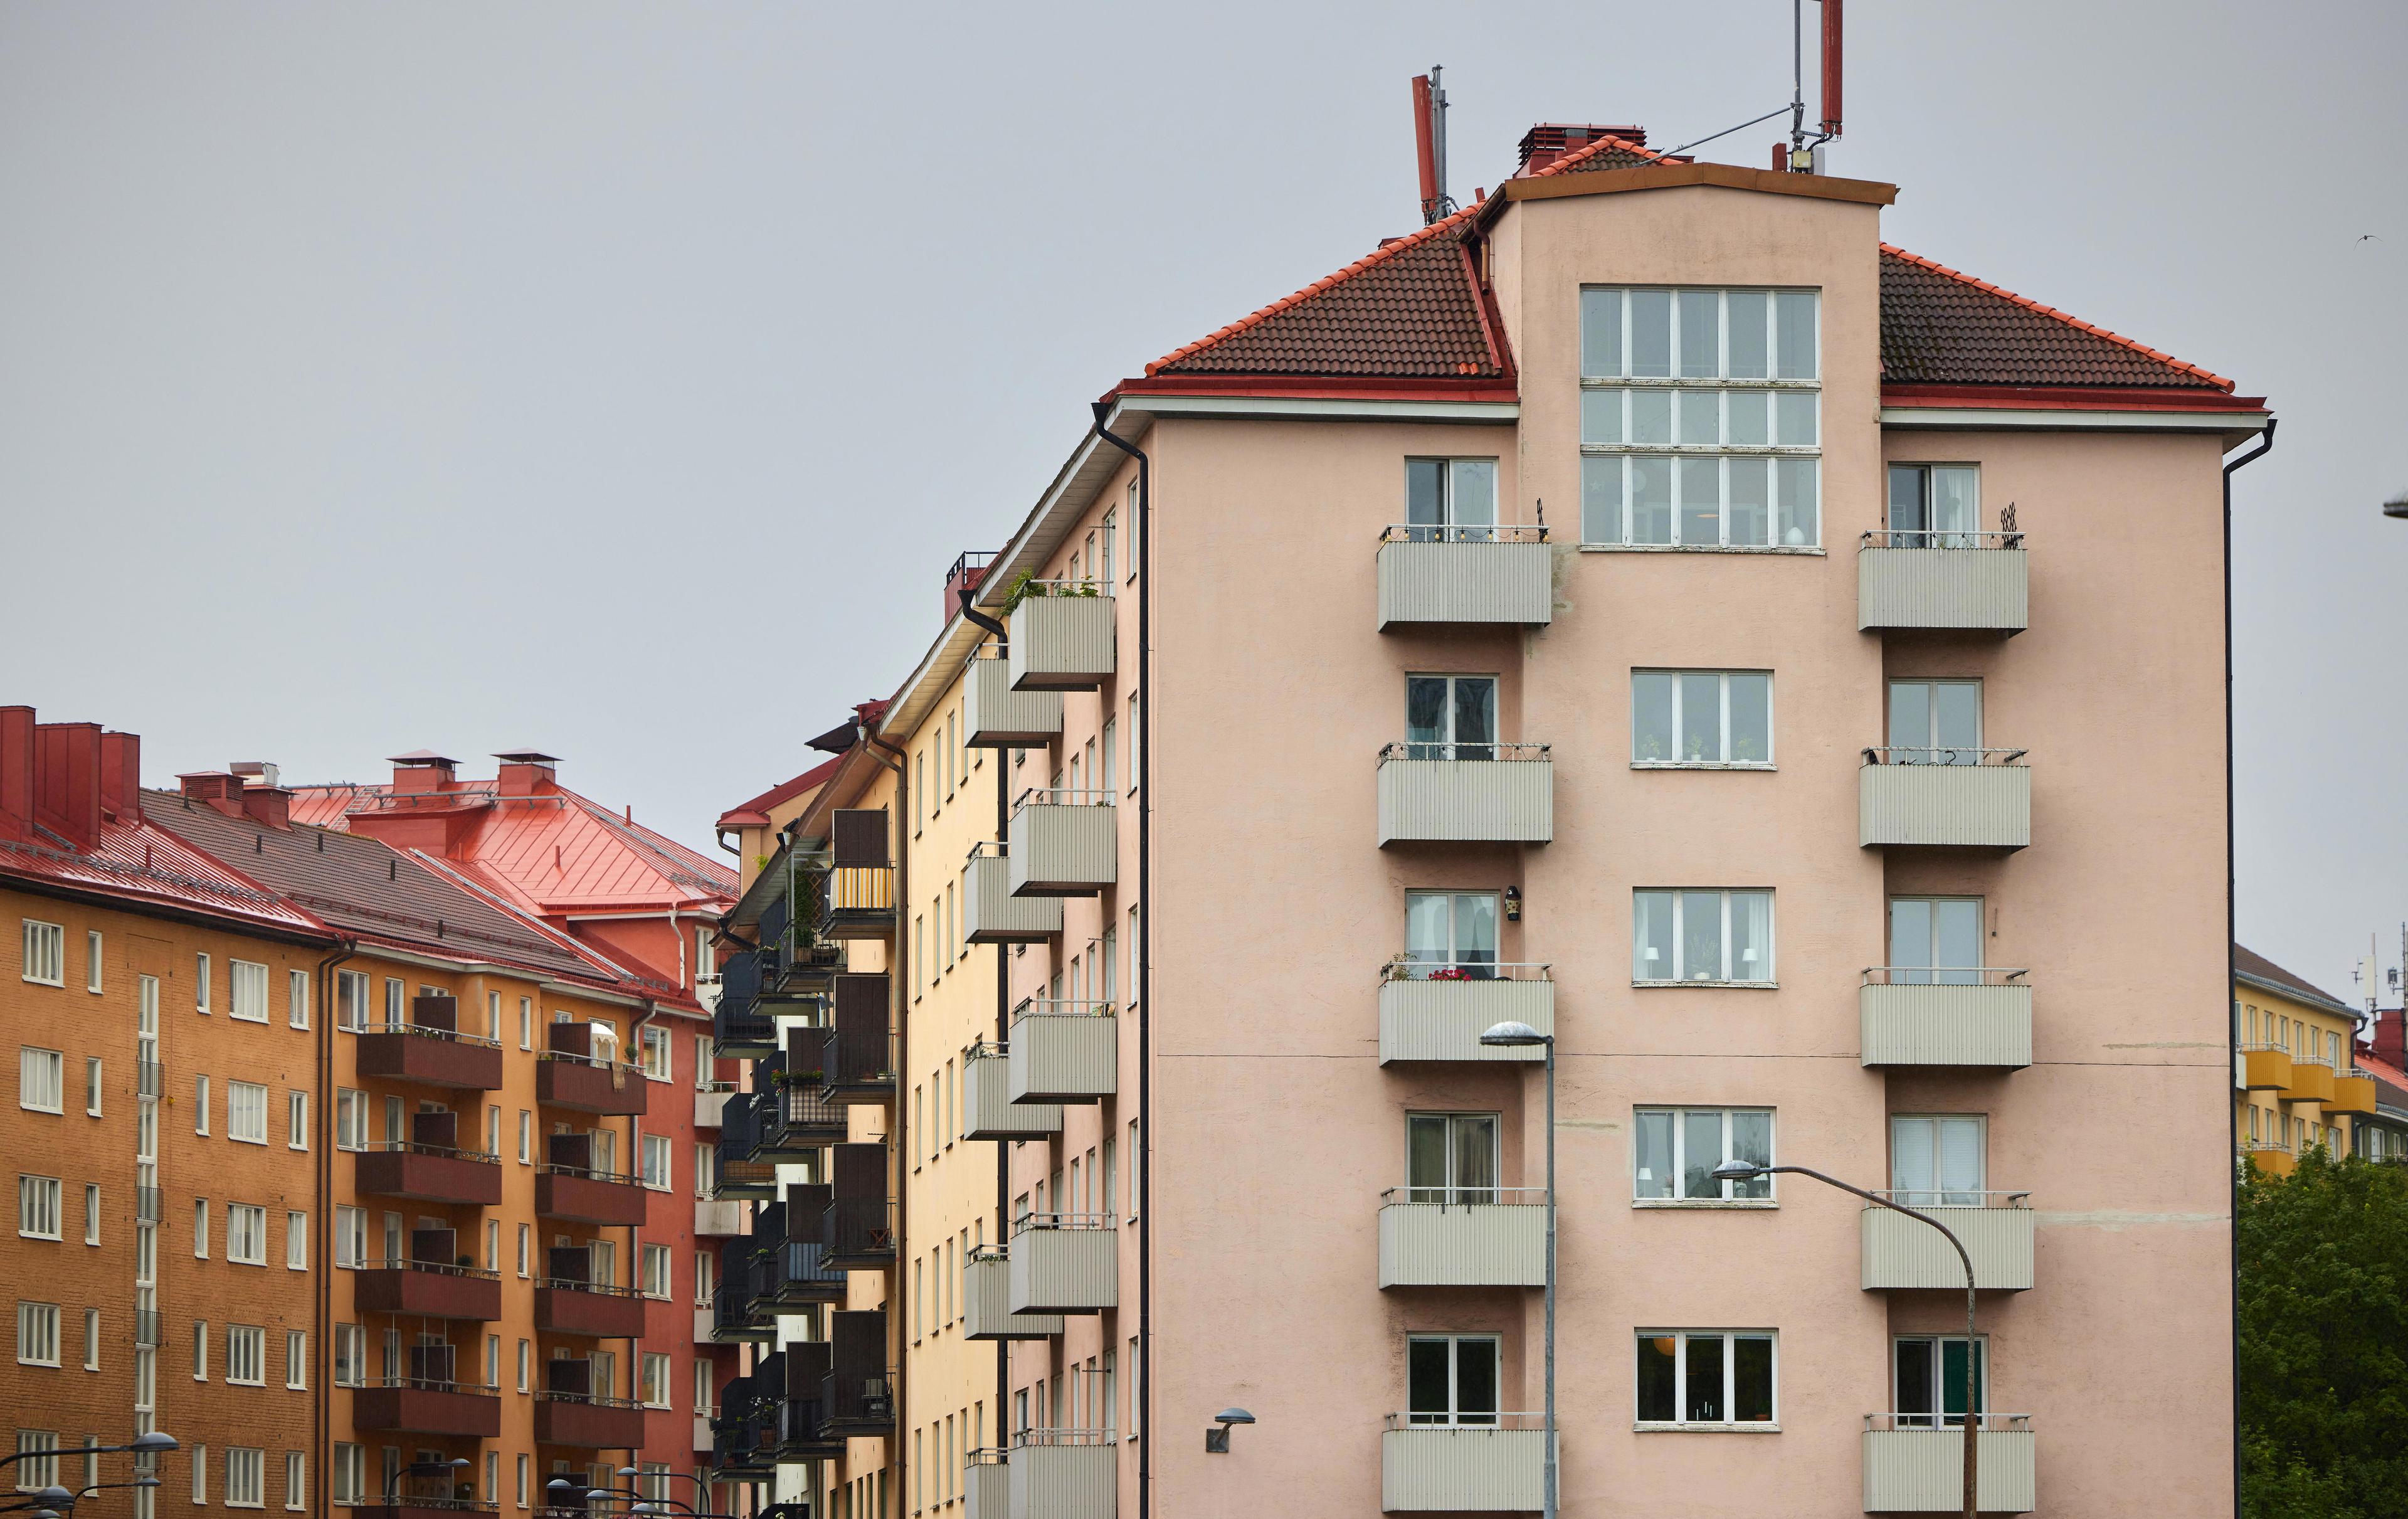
[120, 776]
[1550, 140]
[271, 807]
[255, 773]
[66, 780]
[16, 771]
[217, 788]
[525, 772]
[422, 771]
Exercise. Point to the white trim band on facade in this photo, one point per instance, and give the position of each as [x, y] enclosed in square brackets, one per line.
[1997, 419]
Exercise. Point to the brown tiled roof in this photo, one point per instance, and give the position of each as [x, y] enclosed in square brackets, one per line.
[1411, 310]
[1939, 327]
[2249, 963]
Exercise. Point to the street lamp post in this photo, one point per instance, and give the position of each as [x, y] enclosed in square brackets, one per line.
[146, 1444]
[1742, 1171]
[1510, 1035]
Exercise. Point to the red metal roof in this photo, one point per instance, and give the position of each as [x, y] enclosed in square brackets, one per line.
[144, 862]
[785, 791]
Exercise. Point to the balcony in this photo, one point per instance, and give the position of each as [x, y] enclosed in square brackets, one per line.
[1064, 1263]
[995, 716]
[738, 1315]
[743, 1434]
[1062, 843]
[1063, 1474]
[709, 1102]
[2265, 1067]
[431, 1173]
[1430, 574]
[1906, 1253]
[568, 1302]
[419, 1506]
[2270, 1158]
[583, 1195]
[857, 1049]
[1061, 635]
[430, 1054]
[1430, 1010]
[793, 1120]
[738, 1174]
[426, 1406]
[986, 1301]
[2353, 1094]
[804, 1275]
[740, 1028]
[1913, 1467]
[858, 1234]
[1063, 1051]
[713, 1218]
[803, 1434]
[1954, 799]
[1976, 582]
[1500, 794]
[1495, 1468]
[1484, 1236]
[988, 1111]
[853, 901]
[589, 1083]
[2312, 1080]
[1975, 1018]
[588, 1421]
[992, 915]
[986, 1484]
[429, 1289]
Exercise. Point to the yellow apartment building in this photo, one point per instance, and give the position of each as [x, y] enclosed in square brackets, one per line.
[2296, 1083]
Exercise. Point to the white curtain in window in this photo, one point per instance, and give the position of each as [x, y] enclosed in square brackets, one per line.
[1752, 936]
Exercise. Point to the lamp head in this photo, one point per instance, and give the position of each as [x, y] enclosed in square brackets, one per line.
[1738, 1170]
[2397, 506]
[56, 1496]
[626, 1471]
[146, 1481]
[157, 1440]
[1513, 1034]
[563, 1486]
[1233, 1417]
[1216, 1441]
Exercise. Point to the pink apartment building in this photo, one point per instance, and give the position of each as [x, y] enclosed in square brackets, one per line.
[1643, 604]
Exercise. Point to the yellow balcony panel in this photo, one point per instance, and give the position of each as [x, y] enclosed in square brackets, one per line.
[2273, 1160]
[2266, 1068]
[2353, 1094]
[2312, 1080]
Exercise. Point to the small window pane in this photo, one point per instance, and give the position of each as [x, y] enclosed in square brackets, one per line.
[1601, 416]
[1748, 350]
[1700, 413]
[1958, 939]
[1651, 716]
[1749, 513]
[1475, 929]
[1700, 332]
[1424, 492]
[1425, 709]
[1650, 418]
[1751, 915]
[1751, 1140]
[1601, 332]
[1702, 936]
[1655, 1379]
[1654, 1140]
[1796, 338]
[1475, 713]
[1650, 942]
[1751, 1379]
[1474, 488]
[1751, 718]
[1475, 1381]
[1799, 516]
[1794, 410]
[1701, 718]
[1601, 499]
[1703, 1362]
[1701, 501]
[1426, 1377]
[1750, 417]
[1651, 333]
[1701, 1151]
[1651, 499]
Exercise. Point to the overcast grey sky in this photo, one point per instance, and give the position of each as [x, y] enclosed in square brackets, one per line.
[620, 379]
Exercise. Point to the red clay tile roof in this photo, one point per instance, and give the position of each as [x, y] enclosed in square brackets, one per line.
[1411, 310]
[1939, 327]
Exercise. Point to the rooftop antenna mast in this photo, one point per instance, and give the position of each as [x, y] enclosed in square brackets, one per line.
[1429, 144]
[1805, 155]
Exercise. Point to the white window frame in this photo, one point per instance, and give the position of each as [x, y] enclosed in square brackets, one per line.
[296, 1482]
[246, 1233]
[1730, 1338]
[1453, 1418]
[657, 1145]
[1723, 761]
[297, 998]
[1939, 1195]
[246, 1112]
[1938, 1418]
[350, 1000]
[1726, 1197]
[350, 1119]
[296, 1241]
[201, 984]
[91, 960]
[41, 1079]
[1613, 391]
[1680, 896]
[656, 1270]
[1442, 531]
[1930, 537]
[45, 962]
[246, 1477]
[247, 991]
[296, 1119]
[348, 1472]
[350, 1236]
[656, 1374]
[37, 1332]
[38, 1204]
[246, 1355]
[658, 1064]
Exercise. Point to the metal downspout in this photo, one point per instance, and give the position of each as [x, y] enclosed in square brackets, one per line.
[896, 994]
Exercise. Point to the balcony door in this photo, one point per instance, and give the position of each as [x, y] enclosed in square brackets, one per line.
[1450, 1157]
[1934, 506]
[1450, 717]
[1935, 941]
[1450, 1380]
[1929, 1371]
[1935, 721]
[1937, 1160]
[1451, 931]
[1450, 500]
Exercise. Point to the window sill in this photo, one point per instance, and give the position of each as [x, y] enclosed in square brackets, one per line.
[1810, 549]
[1730, 1203]
[1704, 764]
[1647, 1428]
[1707, 985]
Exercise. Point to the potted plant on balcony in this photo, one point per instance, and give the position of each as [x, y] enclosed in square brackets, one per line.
[1450, 973]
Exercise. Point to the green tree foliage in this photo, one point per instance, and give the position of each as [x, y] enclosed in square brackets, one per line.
[2324, 1341]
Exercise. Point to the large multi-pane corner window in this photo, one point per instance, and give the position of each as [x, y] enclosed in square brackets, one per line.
[1450, 1380]
[1451, 934]
[1935, 941]
[1701, 718]
[1929, 1389]
[1450, 1157]
[46, 953]
[1450, 717]
[1675, 1152]
[1450, 500]
[1935, 723]
[1701, 419]
[1935, 507]
[1693, 937]
[1937, 1160]
[1699, 1377]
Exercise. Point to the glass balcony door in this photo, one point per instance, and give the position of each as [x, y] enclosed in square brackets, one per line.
[1935, 941]
[1450, 1157]
[1450, 1380]
[1937, 1161]
[1451, 931]
[1935, 721]
[1930, 1379]
[1450, 717]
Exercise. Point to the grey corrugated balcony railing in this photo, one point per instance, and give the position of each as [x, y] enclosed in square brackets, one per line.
[1493, 792]
[987, 1300]
[1064, 1263]
[1493, 1463]
[1961, 799]
[995, 716]
[1914, 1462]
[1433, 574]
[992, 915]
[710, 1100]
[988, 1111]
[1063, 1050]
[1063, 842]
[1916, 1015]
[1947, 582]
[1901, 1252]
[1436, 1010]
[1463, 1237]
[1064, 1472]
[1062, 635]
[986, 1484]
